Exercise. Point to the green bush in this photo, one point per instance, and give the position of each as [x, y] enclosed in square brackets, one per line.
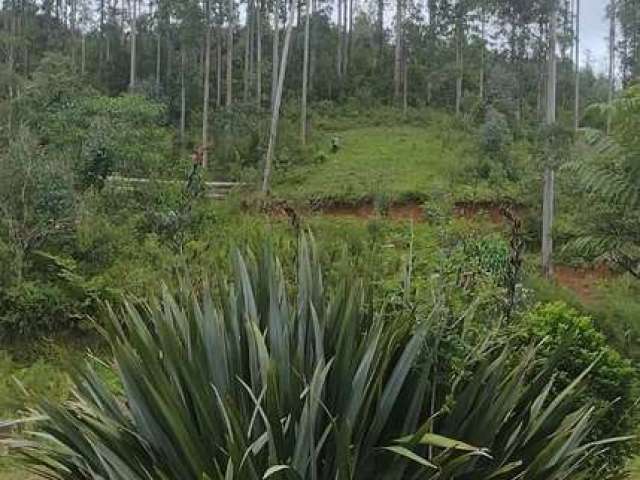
[35, 309]
[616, 312]
[613, 380]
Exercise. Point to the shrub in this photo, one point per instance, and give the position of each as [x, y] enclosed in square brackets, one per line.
[613, 380]
[240, 382]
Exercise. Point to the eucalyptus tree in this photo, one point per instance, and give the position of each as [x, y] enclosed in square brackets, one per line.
[576, 105]
[207, 81]
[612, 56]
[275, 50]
[190, 31]
[628, 16]
[134, 28]
[229, 71]
[305, 73]
[259, 14]
[277, 100]
[549, 173]
[399, 50]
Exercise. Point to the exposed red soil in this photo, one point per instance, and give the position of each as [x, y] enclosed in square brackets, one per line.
[406, 211]
[411, 210]
[582, 281]
[414, 211]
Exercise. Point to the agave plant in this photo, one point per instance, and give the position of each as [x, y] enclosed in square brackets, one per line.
[239, 381]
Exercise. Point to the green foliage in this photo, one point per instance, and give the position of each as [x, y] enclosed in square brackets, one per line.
[613, 380]
[495, 139]
[608, 180]
[241, 381]
[36, 198]
[617, 312]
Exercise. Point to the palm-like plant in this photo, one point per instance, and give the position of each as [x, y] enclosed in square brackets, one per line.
[244, 383]
[611, 178]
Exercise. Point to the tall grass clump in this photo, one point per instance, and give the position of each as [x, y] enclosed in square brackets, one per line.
[251, 377]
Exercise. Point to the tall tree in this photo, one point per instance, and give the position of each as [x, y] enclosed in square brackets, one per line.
[183, 95]
[380, 29]
[549, 174]
[207, 75]
[230, 27]
[246, 79]
[459, 42]
[134, 28]
[259, 54]
[576, 105]
[218, 68]
[158, 45]
[339, 53]
[275, 51]
[305, 73]
[275, 113]
[483, 48]
[399, 50]
[612, 58]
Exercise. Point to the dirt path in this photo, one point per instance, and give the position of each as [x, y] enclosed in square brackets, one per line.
[413, 211]
[406, 211]
[582, 281]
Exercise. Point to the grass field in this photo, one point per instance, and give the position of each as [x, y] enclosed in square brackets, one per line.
[397, 162]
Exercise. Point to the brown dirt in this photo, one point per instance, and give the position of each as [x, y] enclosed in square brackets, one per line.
[406, 211]
[414, 211]
[397, 212]
[582, 281]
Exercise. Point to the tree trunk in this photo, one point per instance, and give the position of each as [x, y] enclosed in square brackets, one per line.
[275, 114]
[230, 25]
[158, 47]
[397, 70]
[11, 61]
[576, 105]
[259, 55]
[305, 74]
[205, 99]
[405, 84]
[132, 70]
[549, 174]
[100, 37]
[246, 80]
[313, 38]
[183, 97]
[72, 22]
[218, 70]
[275, 52]
[340, 40]
[459, 65]
[483, 47]
[380, 30]
[83, 59]
[612, 58]
[346, 28]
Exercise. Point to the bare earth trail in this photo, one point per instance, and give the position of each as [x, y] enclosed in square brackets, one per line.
[582, 281]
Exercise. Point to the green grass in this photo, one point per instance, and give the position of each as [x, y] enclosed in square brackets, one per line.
[29, 373]
[399, 162]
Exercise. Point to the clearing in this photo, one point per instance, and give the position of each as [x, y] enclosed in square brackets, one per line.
[391, 163]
